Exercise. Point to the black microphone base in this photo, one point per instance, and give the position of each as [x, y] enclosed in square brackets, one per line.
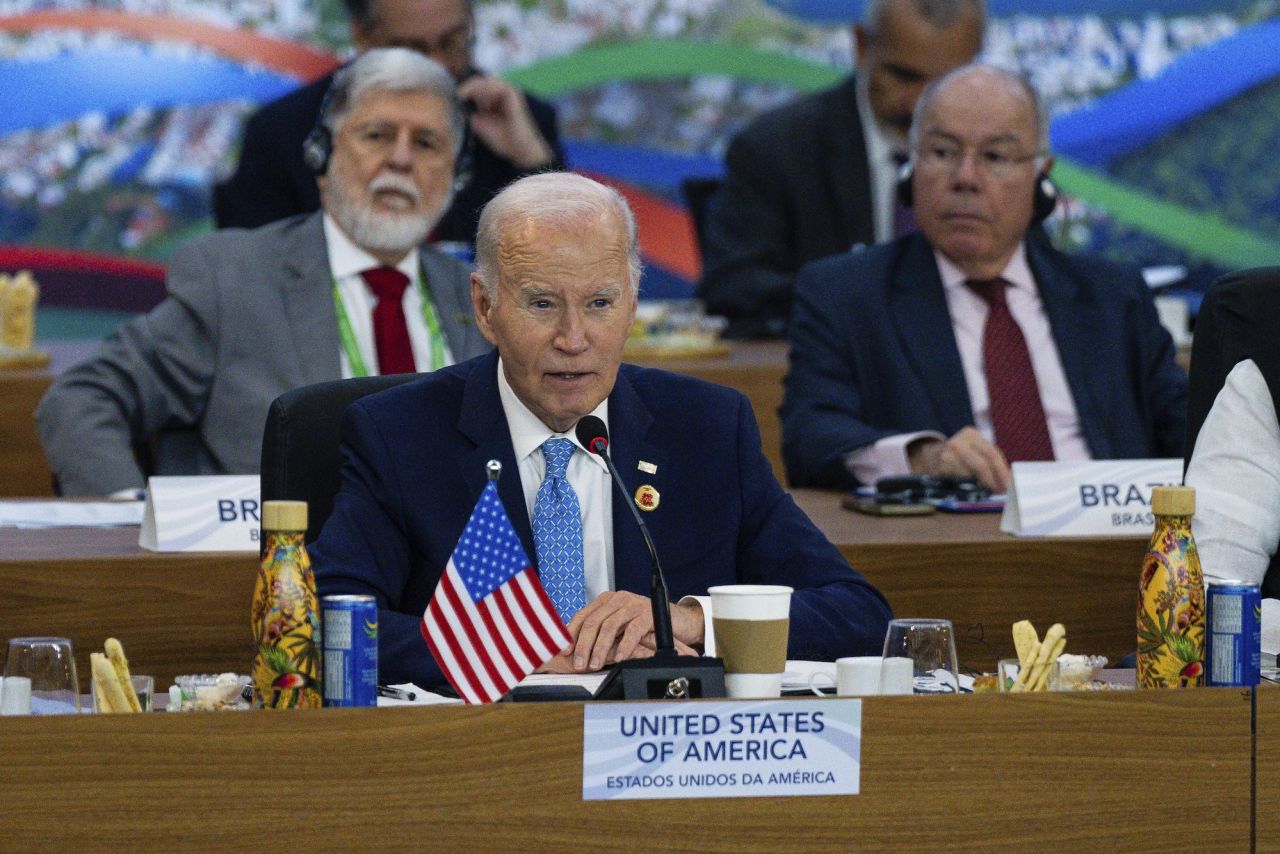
[672, 677]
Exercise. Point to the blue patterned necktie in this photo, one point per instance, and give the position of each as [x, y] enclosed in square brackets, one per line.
[557, 532]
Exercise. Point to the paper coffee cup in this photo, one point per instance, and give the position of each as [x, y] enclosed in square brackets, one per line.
[751, 622]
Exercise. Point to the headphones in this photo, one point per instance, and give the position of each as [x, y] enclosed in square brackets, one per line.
[317, 148]
[1044, 198]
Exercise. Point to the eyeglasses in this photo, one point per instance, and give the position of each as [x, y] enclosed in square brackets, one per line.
[996, 160]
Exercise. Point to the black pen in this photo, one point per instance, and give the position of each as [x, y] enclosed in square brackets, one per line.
[396, 693]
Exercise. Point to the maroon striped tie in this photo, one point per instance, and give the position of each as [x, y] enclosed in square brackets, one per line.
[390, 329]
[1017, 414]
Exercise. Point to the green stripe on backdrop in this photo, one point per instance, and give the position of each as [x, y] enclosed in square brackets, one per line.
[1205, 235]
[659, 59]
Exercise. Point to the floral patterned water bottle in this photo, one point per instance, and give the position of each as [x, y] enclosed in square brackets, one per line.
[1171, 596]
[286, 613]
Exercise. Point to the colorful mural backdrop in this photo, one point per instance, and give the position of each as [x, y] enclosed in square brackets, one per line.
[119, 116]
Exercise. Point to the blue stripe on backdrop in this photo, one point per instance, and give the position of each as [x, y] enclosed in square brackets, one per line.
[115, 80]
[1197, 81]
[657, 171]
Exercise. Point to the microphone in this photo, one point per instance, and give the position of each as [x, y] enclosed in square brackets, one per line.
[594, 436]
[666, 675]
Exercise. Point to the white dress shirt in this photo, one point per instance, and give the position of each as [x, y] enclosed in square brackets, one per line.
[881, 165]
[888, 456]
[1235, 470]
[587, 474]
[346, 262]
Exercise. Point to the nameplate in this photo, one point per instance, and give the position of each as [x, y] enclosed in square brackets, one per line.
[738, 749]
[1086, 499]
[201, 514]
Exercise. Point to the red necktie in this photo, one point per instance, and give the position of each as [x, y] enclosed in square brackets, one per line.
[390, 330]
[1017, 414]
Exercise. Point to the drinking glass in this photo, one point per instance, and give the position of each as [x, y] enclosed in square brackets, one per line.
[931, 646]
[50, 666]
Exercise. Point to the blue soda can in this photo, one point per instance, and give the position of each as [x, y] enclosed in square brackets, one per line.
[350, 626]
[1234, 635]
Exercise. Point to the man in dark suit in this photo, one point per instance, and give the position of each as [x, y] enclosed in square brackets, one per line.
[815, 178]
[971, 344]
[555, 291]
[511, 133]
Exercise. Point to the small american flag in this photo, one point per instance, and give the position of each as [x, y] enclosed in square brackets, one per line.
[490, 623]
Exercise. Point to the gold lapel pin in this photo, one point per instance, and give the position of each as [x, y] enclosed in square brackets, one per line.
[647, 498]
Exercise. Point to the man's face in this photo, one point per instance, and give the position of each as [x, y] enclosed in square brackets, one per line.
[391, 173]
[561, 311]
[975, 171]
[906, 54]
[438, 29]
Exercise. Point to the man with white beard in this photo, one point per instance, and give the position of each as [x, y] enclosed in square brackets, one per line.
[347, 291]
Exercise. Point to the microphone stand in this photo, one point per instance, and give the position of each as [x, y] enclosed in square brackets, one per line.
[666, 675]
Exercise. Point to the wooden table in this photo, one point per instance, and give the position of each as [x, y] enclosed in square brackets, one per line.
[755, 368]
[1031, 772]
[184, 613]
[1268, 768]
[961, 567]
[23, 471]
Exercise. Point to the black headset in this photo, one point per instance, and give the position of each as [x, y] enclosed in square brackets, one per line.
[1043, 200]
[317, 148]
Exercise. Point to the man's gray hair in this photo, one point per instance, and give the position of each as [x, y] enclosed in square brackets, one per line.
[939, 13]
[1012, 78]
[393, 69]
[559, 198]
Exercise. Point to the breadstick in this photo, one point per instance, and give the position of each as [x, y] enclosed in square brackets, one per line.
[1056, 634]
[1042, 677]
[1024, 669]
[109, 685]
[1024, 638]
[115, 654]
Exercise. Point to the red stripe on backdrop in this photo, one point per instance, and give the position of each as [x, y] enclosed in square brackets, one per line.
[666, 230]
[13, 257]
[243, 45]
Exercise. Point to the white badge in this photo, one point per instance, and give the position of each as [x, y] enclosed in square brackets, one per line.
[1086, 499]
[202, 514]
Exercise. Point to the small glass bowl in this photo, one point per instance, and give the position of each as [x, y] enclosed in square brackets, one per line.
[209, 692]
[1075, 672]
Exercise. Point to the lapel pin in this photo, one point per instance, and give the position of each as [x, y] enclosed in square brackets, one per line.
[647, 467]
[647, 497]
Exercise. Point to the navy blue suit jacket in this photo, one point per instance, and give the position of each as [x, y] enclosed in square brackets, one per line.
[414, 466]
[873, 354]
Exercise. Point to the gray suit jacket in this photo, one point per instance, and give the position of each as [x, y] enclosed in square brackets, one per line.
[249, 316]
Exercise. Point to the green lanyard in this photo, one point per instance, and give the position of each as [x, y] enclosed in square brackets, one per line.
[348, 338]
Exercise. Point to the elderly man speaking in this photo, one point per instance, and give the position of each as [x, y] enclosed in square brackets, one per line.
[555, 292]
[252, 314]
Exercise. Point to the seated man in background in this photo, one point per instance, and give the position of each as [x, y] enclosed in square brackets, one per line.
[558, 266]
[253, 314]
[511, 133]
[966, 346]
[816, 177]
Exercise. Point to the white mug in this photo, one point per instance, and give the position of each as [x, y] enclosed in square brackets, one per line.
[16, 699]
[855, 676]
[896, 676]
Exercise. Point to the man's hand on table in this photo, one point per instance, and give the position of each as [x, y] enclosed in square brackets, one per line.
[617, 626]
[967, 453]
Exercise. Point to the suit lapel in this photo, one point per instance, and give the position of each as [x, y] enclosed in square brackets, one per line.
[485, 424]
[918, 307]
[1069, 315]
[629, 443]
[449, 289]
[307, 291]
[846, 159]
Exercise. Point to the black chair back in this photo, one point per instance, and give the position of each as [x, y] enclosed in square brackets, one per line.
[697, 192]
[300, 457]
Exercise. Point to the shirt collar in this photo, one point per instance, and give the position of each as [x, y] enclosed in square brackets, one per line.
[879, 142]
[348, 259]
[527, 430]
[1017, 272]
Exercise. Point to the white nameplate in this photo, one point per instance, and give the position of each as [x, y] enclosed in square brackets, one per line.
[735, 749]
[1087, 499]
[201, 514]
